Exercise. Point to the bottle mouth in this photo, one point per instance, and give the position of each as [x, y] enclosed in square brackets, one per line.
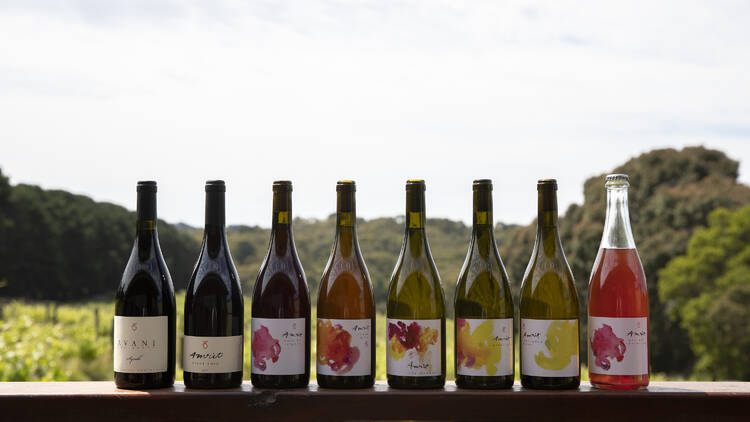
[346, 186]
[215, 186]
[282, 185]
[482, 184]
[415, 184]
[546, 184]
[146, 186]
[617, 181]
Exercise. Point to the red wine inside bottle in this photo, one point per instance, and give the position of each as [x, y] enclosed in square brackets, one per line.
[144, 322]
[346, 307]
[618, 301]
[213, 342]
[281, 306]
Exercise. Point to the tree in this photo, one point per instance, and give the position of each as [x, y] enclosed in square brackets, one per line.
[671, 195]
[707, 290]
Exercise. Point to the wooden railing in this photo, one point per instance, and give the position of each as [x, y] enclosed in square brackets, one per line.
[101, 401]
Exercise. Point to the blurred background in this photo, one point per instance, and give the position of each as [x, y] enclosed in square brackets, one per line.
[95, 96]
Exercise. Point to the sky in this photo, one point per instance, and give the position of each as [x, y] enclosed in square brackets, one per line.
[95, 96]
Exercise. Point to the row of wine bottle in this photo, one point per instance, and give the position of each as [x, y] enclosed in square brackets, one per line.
[212, 350]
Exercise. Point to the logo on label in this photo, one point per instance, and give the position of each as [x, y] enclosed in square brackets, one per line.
[134, 327]
[205, 344]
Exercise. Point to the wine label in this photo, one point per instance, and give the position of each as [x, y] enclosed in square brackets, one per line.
[278, 346]
[344, 347]
[212, 355]
[549, 347]
[140, 344]
[481, 217]
[283, 217]
[484, 347]
[618, 346]
[414, 347]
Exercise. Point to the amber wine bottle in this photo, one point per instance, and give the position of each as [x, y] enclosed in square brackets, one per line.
[214, 312]
[484, 306]
[416, 307]
[281, 306]
[549, 313]
[145, 318]
[346, 306]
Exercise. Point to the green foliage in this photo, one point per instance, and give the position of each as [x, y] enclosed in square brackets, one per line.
[672, 193]
[60, 246]
[708, 291]
[55, 245]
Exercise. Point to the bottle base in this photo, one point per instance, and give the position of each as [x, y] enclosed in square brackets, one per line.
[484, 383]
[345, 382]
[416, 383]
[619, 382]
[127, 381]
[280, 381]
[550, 383]
[201, 381]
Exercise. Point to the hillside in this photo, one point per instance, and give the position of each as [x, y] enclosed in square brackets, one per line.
[59, 246]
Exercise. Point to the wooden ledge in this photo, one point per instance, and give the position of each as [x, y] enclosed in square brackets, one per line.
[99, 401]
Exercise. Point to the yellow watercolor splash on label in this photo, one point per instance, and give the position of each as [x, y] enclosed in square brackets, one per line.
[475, 349]
[562, 343]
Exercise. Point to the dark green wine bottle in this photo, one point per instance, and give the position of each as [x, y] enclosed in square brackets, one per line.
[416, 306]
[550, 357]
[484, 306]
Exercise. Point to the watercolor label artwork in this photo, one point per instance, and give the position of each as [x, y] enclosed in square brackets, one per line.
[140, 344]
[618, 346]
[212, 355]
[278, 346]
[413, 347]
[344, 347]
[549, 347]
[484, 347]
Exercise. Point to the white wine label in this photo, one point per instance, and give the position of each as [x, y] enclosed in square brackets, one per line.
[140, 344]
[618, 346]
[278, 346]
[414, 347]
[484, 347]
[212, 355]
[549, 347]
[344, 347]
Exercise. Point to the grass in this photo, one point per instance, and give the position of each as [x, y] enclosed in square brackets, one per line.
[49, 342]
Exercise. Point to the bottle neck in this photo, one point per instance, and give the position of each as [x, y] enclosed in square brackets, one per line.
[415, 215]
[617, 231]
[145, 231]
[482, 233]
[546, 232]
[214, 234]
[281, 226]
[346, 222]
[415, 238]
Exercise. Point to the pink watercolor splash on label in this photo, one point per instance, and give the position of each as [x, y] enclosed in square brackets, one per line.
[606, 345]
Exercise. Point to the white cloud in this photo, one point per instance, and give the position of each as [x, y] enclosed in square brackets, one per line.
[94, 96]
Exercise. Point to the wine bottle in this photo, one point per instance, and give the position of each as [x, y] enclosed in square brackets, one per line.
[214, 312]
[549, 334]
[346, 306]
[483, 306]
[281, 306]
[618, 301]
[145, 320]
[416, 306]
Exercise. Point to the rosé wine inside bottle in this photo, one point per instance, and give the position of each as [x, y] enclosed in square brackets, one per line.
[618, 335]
